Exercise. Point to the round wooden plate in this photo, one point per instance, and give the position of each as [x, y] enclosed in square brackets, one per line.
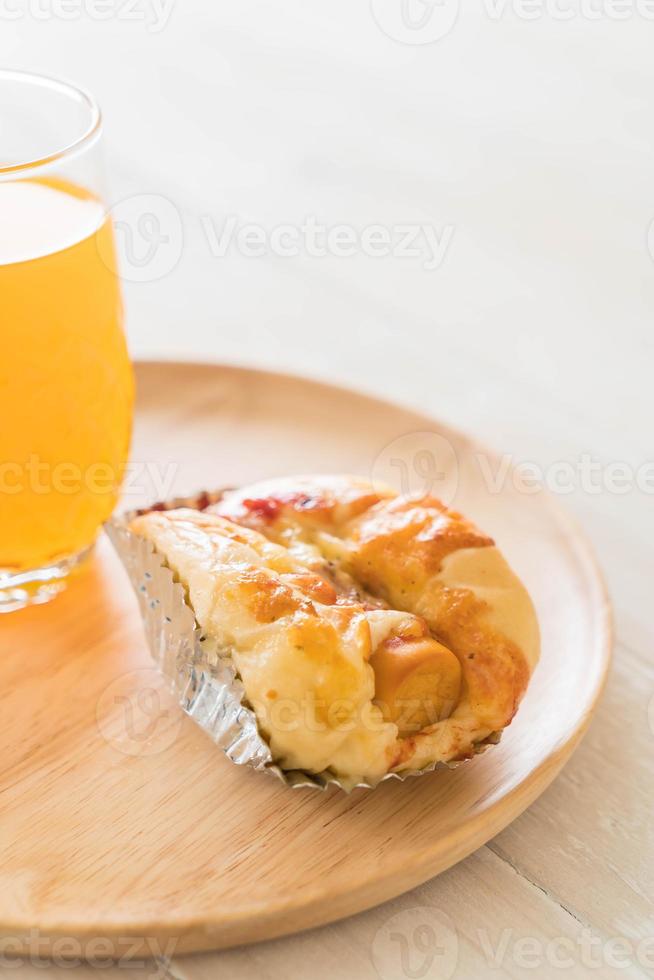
[119, 817]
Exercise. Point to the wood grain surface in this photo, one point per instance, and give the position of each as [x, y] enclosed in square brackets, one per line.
[124, 822]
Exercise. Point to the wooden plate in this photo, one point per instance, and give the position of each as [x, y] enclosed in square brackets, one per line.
[123, 821]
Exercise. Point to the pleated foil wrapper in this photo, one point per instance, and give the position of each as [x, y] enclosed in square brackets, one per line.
[204, 681]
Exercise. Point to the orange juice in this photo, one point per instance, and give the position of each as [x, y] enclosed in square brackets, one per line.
[66, 388]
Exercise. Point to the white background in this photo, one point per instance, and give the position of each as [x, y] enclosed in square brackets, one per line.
[532, 138]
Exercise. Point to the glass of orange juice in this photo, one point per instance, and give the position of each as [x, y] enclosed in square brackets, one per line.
[66, 386]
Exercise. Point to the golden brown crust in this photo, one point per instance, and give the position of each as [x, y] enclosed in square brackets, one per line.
[397, 550]
[354, 601]
[303, 663]
[307, 502]
[398, 545]
[265, 598]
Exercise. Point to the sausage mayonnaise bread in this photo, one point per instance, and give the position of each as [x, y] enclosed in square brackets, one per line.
[373, 632]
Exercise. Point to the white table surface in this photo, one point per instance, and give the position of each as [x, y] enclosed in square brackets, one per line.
[532, 140]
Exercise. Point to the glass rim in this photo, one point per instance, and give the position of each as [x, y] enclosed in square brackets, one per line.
[80, 95]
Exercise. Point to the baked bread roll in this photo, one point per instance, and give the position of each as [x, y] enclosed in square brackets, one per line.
[373, 632]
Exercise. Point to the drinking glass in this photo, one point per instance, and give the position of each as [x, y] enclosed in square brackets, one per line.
[66, 385]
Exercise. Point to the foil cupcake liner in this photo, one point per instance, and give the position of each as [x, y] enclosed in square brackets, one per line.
[205, 684]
